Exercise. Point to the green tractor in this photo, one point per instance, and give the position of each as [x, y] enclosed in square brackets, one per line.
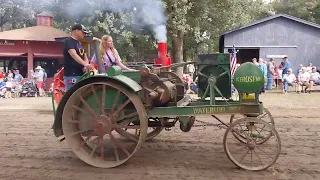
[106, 117]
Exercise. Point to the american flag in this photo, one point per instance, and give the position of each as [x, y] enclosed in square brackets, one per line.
[233, 60]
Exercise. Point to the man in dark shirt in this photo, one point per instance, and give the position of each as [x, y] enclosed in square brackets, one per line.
[74, 57]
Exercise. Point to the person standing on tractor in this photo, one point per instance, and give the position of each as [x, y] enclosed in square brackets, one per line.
[75, 60]
[109, 55]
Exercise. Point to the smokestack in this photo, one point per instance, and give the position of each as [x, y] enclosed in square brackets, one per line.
[162, 55]
[162, 52]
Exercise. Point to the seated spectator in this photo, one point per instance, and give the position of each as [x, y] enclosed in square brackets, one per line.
[299, 69]
[314, 77]
[309, 68]
[2, 87]
[17, 77]
[8, 88]
[2, 75]
[303, 79]
[289, 80]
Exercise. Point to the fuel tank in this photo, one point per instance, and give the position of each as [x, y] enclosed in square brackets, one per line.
[248, 78]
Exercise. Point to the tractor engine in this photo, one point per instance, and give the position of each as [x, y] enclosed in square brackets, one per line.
[160, 85]
[160, 88]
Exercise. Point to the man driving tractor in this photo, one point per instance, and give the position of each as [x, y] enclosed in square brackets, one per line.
[75, 60]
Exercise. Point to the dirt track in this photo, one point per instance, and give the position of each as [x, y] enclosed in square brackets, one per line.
[29, 150]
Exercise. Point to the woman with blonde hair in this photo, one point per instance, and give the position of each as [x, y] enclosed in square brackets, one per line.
[109, 55]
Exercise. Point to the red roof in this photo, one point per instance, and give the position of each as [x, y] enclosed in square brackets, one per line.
[35, 33]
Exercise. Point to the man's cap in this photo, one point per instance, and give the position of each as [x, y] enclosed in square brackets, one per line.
[304, 68]
[79, 27]
[289, 70]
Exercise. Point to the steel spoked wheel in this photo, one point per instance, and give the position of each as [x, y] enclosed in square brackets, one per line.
[91, 118]
[133, 134]
[252, 155]
[265, 116]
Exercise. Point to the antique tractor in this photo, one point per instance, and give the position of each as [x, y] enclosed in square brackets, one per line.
[105, 117]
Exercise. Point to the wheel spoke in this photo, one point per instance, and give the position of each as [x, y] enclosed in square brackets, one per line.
[243, 146]
[120, 108]
[115, 150]
[85, 141]
[238, 133]
[251, 158]
[264, 152]
[103, 100]
[262, 116]
[244, 132]
[119, 144]
[91, 112]
[244, 155]
[258, 156]
[261, 129]
[95, 147]
[101, 147]
[79, 109]
[115, 102]
[95, 94]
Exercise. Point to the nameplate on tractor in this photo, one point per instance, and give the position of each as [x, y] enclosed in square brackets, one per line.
[248, 79]
[216, 110]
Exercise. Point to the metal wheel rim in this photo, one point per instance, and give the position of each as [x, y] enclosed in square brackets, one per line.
[254, 120]
[74, 141]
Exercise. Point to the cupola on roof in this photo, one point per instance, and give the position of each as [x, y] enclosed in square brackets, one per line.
[45, 19]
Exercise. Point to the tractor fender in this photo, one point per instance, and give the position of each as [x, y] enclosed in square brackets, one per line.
[121, 79]
[124, 80]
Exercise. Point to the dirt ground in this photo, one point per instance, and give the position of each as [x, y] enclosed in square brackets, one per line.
[29, 150]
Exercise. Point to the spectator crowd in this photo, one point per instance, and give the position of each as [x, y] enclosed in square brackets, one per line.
[12, 82]
[282, 76]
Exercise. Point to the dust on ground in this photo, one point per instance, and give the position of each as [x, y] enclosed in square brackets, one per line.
[29, 150]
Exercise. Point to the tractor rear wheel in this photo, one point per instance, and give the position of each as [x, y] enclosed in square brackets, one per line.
[94, 113]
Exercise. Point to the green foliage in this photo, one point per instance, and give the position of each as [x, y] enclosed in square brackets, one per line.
[304, 9]
[194, 25]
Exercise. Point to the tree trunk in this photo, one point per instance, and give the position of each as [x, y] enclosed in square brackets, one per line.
[177, 44]
[184, 57]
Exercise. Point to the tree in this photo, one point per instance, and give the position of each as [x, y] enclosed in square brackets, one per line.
[13, 14]
[177, 11]
[304, 9]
